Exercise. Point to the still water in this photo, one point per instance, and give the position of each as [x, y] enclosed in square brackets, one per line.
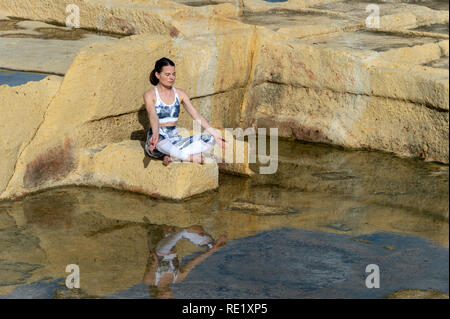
[16, 78]
[307, 231]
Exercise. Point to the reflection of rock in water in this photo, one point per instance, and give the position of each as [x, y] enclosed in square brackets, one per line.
[294, 263]
[247, 207]
[20, 255]
[50, 210]
[75, 293]
[418, 294]
[339, 226]
[372, 178]
[334, 176]
[15, 273]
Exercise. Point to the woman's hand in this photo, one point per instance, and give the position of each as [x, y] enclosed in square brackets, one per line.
[153, 141]
[220, 140]
[220, 242]
[218, 137]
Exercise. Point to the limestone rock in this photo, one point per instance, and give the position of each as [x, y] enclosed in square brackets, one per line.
[84, 110]
[123, 17]
[22, 109]
[122, 166]
[42, 47]
[112, 16]
[352, 100]
[125, 166]
[244, 75]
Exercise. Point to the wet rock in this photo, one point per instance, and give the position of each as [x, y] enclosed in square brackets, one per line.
[340, 227]
[72, 294]
[418, 294]
[334, 176]
[362, 240]
[247, 207]
[15, 273]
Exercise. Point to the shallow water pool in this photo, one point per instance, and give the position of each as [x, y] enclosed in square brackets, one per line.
[307, 231]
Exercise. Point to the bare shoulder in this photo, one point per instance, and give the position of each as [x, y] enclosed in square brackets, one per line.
[149, 95]
[182, 94]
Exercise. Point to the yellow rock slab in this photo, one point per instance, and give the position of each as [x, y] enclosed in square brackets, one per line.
[22, 110]
[122, 166]
[125, 166]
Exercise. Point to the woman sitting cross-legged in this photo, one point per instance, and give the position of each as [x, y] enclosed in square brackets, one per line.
[163, 117]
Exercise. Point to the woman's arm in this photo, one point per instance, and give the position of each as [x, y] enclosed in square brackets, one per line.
[186, 269]
[198, 117]
[153, 117]
[150, 269]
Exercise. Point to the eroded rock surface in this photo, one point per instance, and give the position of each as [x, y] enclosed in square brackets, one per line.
[22, 111]
[333, 79]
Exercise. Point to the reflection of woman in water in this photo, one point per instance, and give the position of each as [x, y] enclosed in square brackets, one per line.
[163, 267]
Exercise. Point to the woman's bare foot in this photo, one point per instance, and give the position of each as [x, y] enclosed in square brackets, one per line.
[167, 159]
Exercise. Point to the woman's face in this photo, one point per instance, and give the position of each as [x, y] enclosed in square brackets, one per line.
[167, 75]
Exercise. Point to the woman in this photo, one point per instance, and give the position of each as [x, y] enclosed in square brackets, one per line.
[163, 267]
[163, 119]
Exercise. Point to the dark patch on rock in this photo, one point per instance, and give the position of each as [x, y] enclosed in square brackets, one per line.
[308, 72]
[124, 25]
[54, 164]
[308, 133]
[291, 128]
[49, 33]
[174, 32]
[8, 25]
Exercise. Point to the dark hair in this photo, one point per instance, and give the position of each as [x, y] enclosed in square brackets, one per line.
[158, 68]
